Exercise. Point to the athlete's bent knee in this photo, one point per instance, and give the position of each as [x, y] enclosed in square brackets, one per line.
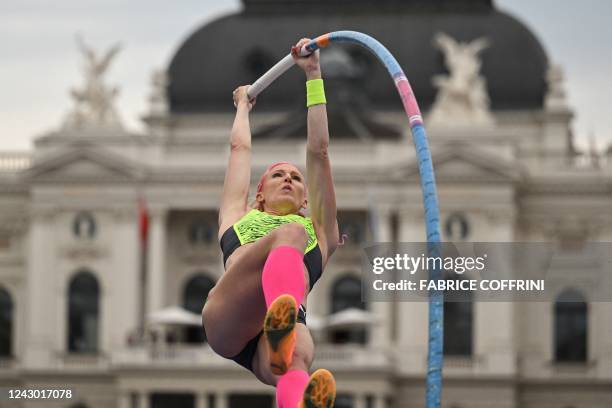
[216, 343]
[205, 310]
[302, 358]
[301, 361]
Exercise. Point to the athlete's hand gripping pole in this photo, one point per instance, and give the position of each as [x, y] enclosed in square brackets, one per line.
[282, 66]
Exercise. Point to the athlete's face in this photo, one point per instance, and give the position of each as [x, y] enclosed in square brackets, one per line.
[284, 190]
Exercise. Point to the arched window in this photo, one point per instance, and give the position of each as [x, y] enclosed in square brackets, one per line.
[83, 313]
[458, 323]
[84, 226]
[6, 324]
[194, 296]
[346, 294]
[571, 323]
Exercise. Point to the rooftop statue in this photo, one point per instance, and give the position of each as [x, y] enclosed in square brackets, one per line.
[94, 100]
[462, 97]
[556, 98]
[158, 101]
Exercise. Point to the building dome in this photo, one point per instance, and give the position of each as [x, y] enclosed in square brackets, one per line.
[237, 49]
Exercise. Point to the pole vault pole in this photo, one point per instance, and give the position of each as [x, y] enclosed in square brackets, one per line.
[428, 182]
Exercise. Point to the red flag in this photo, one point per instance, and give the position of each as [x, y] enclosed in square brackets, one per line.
[143, 220]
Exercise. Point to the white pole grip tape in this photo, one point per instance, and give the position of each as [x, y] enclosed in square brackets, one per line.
[277, 70]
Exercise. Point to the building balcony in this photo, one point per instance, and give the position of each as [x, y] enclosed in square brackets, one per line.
[170, 356]
[13, 162]
[352, 357]
[334, 357]
[82, 362]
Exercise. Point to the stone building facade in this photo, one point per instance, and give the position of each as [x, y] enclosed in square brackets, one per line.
[73, 293]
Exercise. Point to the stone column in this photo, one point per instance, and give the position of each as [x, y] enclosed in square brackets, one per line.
[121, 312]
[379, 401]
[412, 317]
[494, 322]
[41, 291]
[201, 400]
[600, 312]
[156, 260]
[360, 400]
[380, 334]
[604, 330]
[222, 400]
[123, 399]
[143, 399]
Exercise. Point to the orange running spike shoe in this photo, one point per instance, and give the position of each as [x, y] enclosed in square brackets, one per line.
[279, 328]
[320, 391]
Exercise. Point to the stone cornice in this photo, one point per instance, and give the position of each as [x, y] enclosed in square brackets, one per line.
[588, 186]
[115, 168]
[42, 212]
[84, 251]
[489, 169]
[91, 137]
[13, 223]
[13, 187]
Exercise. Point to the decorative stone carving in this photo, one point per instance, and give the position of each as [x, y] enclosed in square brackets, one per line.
[94, 101]
[462, 99]
[572, 228]
[81, 252]
[594, 155]
[556, 96]
[122, 214]
[42, 213]
[158, 101]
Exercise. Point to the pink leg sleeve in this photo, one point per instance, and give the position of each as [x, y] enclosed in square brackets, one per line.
[283, 273]
[290, 388]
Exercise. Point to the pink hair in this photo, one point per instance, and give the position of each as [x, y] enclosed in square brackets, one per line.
[268, 170]
[263, 178]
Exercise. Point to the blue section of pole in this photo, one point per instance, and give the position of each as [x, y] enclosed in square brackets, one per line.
[432, 219]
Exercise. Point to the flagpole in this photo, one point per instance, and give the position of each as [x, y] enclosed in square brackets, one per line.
[143, 229]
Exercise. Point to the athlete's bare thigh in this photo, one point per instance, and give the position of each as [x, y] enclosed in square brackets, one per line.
[236, 308]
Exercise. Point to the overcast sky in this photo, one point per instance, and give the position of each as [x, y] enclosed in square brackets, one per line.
[40, 61]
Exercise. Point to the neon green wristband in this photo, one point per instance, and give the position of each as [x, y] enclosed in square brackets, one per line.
[315, 92]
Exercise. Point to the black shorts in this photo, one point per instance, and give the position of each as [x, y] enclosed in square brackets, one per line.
[245, 357]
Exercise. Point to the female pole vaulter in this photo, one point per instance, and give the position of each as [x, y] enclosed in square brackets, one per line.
[273, 255]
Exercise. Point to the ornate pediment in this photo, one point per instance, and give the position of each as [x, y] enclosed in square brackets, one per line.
[85, 164]
[467, 164]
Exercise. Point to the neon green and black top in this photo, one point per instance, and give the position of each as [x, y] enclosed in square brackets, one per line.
[256, 224]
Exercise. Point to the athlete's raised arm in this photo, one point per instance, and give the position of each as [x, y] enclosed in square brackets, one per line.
[234, 199]
[321, 194]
